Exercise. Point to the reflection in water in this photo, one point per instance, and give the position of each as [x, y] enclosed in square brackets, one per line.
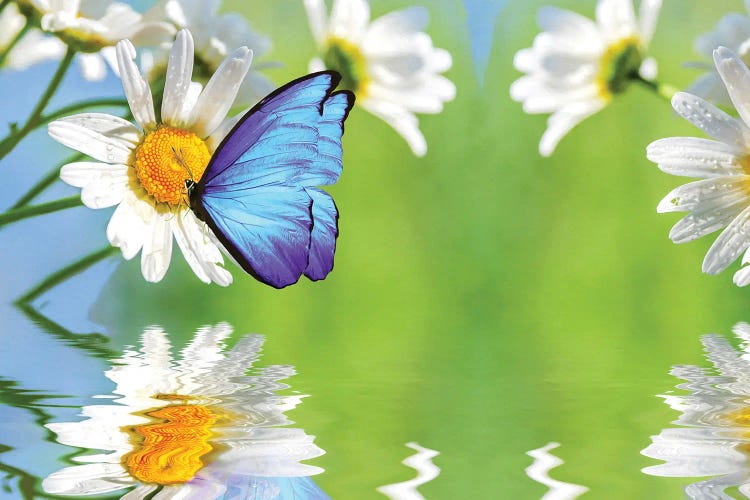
[193, 427]
[539, 472]
[426, 472]
[715, 439]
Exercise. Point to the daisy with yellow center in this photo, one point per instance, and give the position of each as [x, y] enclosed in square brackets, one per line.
[576, 66]
[143, 171]
[714, 437]
[192, 427]
[215, 36]
[721, 199]
[389, 63]
[93, 27]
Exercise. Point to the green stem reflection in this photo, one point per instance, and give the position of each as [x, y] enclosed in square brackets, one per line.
[8, 48]
[16, 135]
[16, 214]
[66, 273]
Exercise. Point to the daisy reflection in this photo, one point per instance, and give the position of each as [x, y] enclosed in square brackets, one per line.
[544, 461]
[714, 439]
[421, 461]
[190, 427]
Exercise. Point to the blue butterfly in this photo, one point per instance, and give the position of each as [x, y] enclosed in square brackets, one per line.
[259, 193]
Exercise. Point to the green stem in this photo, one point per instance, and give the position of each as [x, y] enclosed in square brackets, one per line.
[4, 4]
[17, 214]
[8, 48]
[7, 144]
[663, 90]
[66, 273]
[79, 106]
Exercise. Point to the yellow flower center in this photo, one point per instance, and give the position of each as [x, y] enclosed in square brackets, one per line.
[618, 66]
[168, 157]
[170, 450]
[346, 58]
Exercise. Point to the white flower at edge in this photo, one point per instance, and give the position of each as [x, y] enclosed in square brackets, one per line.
[389, 63]
[93, 27]
[576, 66]
[186, 426]
[34, 47]
[215, 37]
[732, 31]
[722, 198]
[714, 437]
[143, 170]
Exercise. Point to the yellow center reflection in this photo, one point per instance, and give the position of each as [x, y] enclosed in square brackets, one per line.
[169, 450]
[167, 158]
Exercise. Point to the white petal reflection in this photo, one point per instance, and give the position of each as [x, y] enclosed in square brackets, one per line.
[539, 472]
[714, 434]
[426, 472]
[197, 425]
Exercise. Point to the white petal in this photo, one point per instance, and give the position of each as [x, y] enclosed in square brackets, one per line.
[81, 173]
[709, 119]
[109, 125]
[179, 74]
[567, 24]
[742, 277]
[316, 15]
[106, 190]
[707, 218]
[616, 19]
[129, 224]
[397, 25]
[710, 87]
[734, 240]
[402, 121]
[199, 252]
[33, 49]
[649, 15]
[139, 493]
[94, 144]
[316, 64]
[694, 157]
[93, 68]
[736, 78]
[218, 96]
[649, 69]
[693, 194]
[349, 19]
[157, 249]
[135, 86]
[563, 121]
[90, 479]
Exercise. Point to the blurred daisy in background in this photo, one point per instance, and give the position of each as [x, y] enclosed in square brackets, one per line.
[93, 27]
[732, 31]
[193, 427]
[576, 66]
[390, 63]
[143, 170]
[714, 439]
[22, 46]
[215, 37]
[722, 198]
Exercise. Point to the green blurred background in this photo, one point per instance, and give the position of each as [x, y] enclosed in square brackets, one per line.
[485, 300]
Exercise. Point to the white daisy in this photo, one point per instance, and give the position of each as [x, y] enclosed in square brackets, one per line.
[722, 198]
[93, 27]
[714, 439]
[215, 37]
[732, 31]
[576, 66]
[32, 48]
[143, 171]
[389, 63]
[187, 428]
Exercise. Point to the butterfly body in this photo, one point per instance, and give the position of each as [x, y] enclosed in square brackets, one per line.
[260, 192]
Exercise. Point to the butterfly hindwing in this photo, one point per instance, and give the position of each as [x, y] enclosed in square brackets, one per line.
[323, 236]
[266, 229]
[258, 193]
